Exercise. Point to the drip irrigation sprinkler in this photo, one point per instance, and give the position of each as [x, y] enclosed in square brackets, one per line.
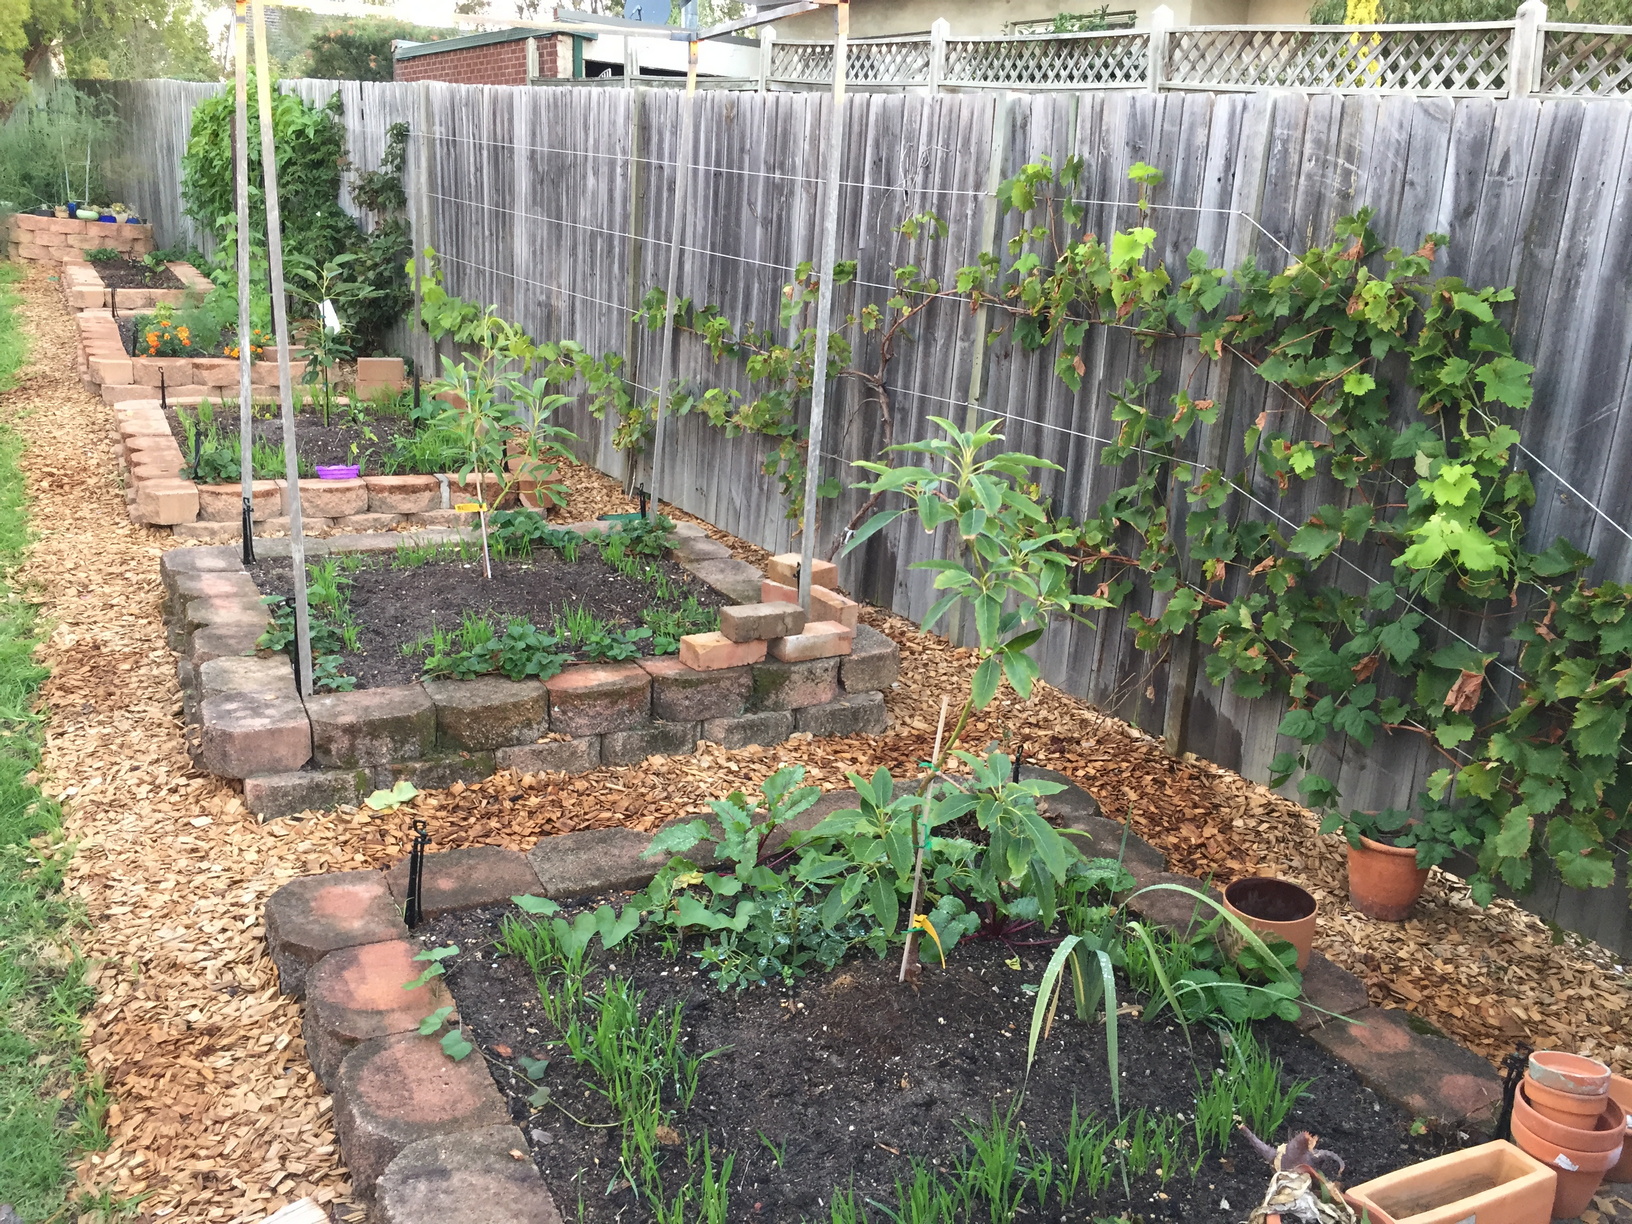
[413, 911]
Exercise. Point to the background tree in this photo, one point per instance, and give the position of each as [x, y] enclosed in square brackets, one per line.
[1399, 12]
[100, 39]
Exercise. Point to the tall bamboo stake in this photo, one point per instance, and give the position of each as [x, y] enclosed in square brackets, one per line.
[677, 233]
[280, 321]
[240, 168]
[824, 301]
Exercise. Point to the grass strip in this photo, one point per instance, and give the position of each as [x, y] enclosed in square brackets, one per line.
[48, 1109]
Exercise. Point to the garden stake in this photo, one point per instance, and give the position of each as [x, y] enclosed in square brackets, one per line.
[280, 322]
[240, 174]
[824, 303]
[1514, 1066]
[910, 951]
[164, 397]
[113, 302]
[416, 867]
[1019, 760]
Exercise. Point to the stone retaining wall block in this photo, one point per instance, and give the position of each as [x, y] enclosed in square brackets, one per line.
[684, 694]
[576, 756]
[403, 494]
[270, 796]
[467, 1177]
[438, 772]
[224, 503]
[372, 726]
[659, 739]
[393, 1091]
[355, 994]
[247, 734]
[760, 622]
[874, 662]
[853, 714]
[792, 686]
[820, 640]
[464, 879]
[314, 915]
[272, 677]
[713, 651]
[489, 712]
[587, 699]
[767, 727]
[327, 498]
[594, 861]
[165, 503]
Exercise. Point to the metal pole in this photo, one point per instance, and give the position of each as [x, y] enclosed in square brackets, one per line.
[240, 168]
[682, 190]
[824, 302]
[280, 321]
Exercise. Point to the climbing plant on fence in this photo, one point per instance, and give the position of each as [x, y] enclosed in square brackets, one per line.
[1438, 491]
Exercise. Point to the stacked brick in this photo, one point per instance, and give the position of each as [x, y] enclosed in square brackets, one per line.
[82, 286]
[777, 626]
[333, 748]
[54, 239]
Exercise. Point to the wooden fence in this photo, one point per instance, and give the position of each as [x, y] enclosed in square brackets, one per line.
[555, 205]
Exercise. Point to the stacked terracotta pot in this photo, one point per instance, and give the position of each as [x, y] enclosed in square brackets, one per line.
[1565, 1116]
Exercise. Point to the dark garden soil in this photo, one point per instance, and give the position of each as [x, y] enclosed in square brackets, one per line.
[852, 1074]
[125, 273]
[369, 429]
[395, 605]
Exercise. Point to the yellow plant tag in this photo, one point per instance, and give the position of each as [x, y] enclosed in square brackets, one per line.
[921, 922]
[469, 507]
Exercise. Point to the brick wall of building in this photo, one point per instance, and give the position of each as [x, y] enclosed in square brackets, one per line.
[500, 63]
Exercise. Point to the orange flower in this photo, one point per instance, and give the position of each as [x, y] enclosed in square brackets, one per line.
[185, 343]
[152, 337]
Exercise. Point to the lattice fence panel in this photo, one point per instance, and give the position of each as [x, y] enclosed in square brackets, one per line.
[1463, 60]
[1107, 60]
[811, 62]
[897, 62]
[1596, 62]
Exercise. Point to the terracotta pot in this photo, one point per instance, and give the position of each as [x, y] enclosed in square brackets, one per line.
[1620, 1088]
[1384, 881]
[1567, 1108]
[1569, 1072]
[1494, 1183]
[1606, 1132]
[1579, 1173]
[1276, 908]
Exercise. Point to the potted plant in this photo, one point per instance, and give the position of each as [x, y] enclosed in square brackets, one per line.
[121, 212]
[1275, 908]
[1390, 852]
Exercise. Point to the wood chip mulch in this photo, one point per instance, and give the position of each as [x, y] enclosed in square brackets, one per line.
[218, 1116]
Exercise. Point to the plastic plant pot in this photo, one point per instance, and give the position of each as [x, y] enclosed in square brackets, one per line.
[107, 217]
[1566, 1108]
[1384, 880]
[338, 471]
[634, 516]
[1569, 1072]
[1579, 1173]
[1494, 1183]
[1275, 907]
[1620, 1089]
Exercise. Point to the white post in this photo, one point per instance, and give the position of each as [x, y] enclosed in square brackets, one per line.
[677, 234]
[938, 34]
[824, 303]
[767, 51]
[1526, 53]
[532, 60]
[240, 169]
[1161, 22]
[280, 321]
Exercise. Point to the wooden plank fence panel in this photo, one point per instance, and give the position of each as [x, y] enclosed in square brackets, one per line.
[533, 208]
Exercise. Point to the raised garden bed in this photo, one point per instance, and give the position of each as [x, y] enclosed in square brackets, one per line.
[36, 238]
[528, 705]
[125, 284]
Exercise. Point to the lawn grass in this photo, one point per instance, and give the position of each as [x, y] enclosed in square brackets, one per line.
[47, 1109]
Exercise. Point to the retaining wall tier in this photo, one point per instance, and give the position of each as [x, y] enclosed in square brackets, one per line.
[32, 239]
[83, 288]
[293, 755]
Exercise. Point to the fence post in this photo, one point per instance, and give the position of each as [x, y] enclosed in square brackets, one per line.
[1525, 52]
[938, 34]
[767, 48]
[1161, 21]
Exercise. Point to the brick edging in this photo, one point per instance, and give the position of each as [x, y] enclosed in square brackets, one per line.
[1421, 1072]
[247, 722]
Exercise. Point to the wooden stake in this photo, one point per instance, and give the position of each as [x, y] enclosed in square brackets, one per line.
[909, 954]
[240, 170]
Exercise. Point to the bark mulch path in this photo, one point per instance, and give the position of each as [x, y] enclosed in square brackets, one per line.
[217, 1115]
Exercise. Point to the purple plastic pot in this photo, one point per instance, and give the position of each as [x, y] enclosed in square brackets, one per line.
[338, 471]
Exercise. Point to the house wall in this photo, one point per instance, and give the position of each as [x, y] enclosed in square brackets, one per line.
[500, 63]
